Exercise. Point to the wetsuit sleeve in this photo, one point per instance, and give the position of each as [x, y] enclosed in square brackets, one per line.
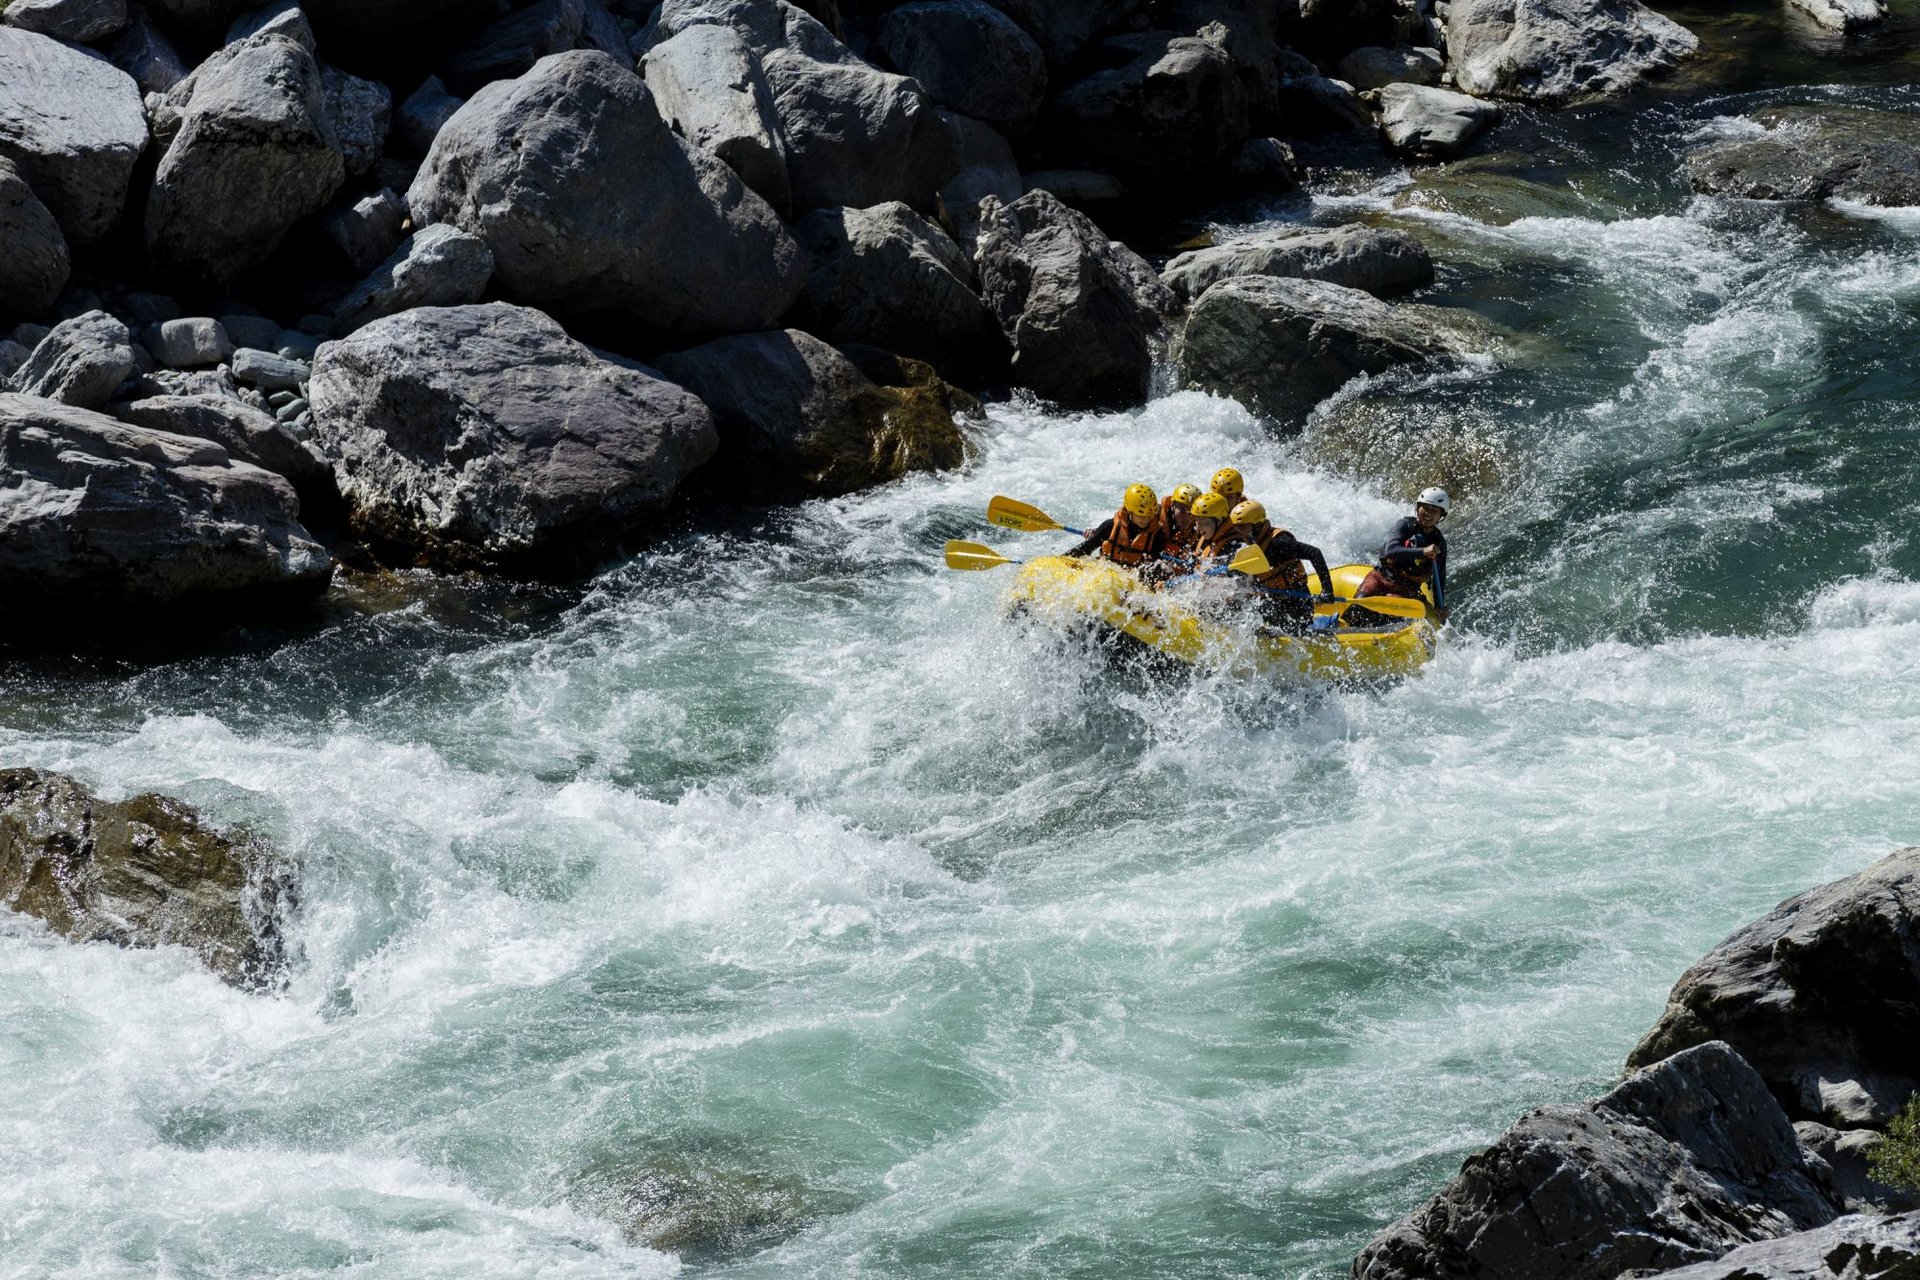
[1397, 555]
[1318, 560]
[1091, 543]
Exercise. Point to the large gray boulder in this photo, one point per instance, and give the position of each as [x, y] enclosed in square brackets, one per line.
[72, 123]
[512, 45]
[144, 872]
[1432, 124]
[254, 154]
[424, 113]
[1822, 995]
[709, 86]
[1556, 50]
[437, 266]
[984, 166]
[798, 418]
[1173, 112]
[246, 433]
[1678, 1164]
[590, 202]
[1082, 313]
[34, 265]
[80, 363]
[75, 21]
[855, 136]
[1379, 260]
[1282, 346]
[189, 342]
[361, 112]
[971, 57]
[887, 276]
[1861, 1247]
[95, 512]
[1064, 31]
[144, 52]
[1816, 153]
[485, 435]
[1373, 67]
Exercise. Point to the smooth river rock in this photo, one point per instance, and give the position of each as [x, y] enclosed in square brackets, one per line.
[73, 124]
[589, 202]
[1282, 346]
[799, 418]
[96, 513]
[1678, 1164]
[1379, 260]
[1816, 153]
[1432, 124]
[1822, 995]
[1081, 311]
[254, 154]
[143, 872]
[1556, 50]
[484, 435]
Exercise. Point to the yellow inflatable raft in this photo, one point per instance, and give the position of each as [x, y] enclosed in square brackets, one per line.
[1067, 590]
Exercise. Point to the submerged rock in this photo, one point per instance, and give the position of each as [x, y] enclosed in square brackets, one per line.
[589, 202]
[1822, 995]
[141, 872]
[1678, 1164]
[484, 435]
[1556, 50]
[96, 513]
[1081, 311]
[73, 125]
[1863, 1247]
[797, 417]
[1282, 346]
[1378, 260]
[1817, 153]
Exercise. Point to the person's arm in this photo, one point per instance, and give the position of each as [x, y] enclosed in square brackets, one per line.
[1091, 543]
[1397, 555]
[1318, 560]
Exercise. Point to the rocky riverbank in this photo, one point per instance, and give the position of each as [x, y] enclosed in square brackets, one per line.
[355, 255]
[1736, 1145]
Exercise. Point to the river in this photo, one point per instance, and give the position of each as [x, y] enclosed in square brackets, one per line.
[776, 886]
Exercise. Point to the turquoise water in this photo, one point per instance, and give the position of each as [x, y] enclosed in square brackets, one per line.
[778, 869]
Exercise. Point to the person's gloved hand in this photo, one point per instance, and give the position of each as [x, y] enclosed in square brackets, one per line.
[1326, 597]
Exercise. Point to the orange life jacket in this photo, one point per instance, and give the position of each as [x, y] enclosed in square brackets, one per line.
[1129, 546]
[1178, 540]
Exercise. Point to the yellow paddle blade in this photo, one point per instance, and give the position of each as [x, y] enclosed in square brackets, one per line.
[1392, 606]
[1250, 560]
[1009, 514]
[972, 555]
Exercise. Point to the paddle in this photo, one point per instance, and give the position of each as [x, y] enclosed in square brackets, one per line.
[1009, 514]
[1392, 606]
[973, 555]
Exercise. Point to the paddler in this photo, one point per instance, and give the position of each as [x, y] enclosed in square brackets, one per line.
[1210, 512]
[1284, 600]
[1176, 516]
[1414, 555]
[1130, 536]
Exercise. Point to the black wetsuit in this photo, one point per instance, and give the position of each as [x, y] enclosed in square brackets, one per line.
[1404, 557]
[1290, 609]
[1092, 542]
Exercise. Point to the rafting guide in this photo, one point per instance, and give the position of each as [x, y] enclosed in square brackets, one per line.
[1134, 576]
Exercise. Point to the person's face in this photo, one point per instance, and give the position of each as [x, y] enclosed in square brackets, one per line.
[1427, 514]
[1206, 526]
[1182, 515]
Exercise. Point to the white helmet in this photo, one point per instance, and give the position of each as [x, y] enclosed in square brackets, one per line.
[1433, 498]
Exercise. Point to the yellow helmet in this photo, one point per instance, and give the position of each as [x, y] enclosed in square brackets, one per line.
[1140, 502]
[1228, 484]
[1184, 494]
[1210, 506]
[1249, 513]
